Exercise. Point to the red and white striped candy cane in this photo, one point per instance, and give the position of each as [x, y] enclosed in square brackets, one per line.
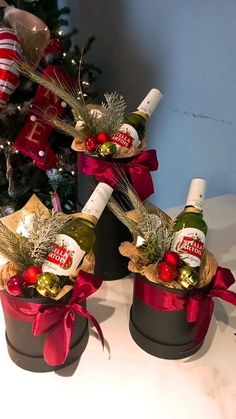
[10, 55]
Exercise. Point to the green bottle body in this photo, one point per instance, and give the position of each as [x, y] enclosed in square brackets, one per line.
[77, 237]
[82, 231]
[75, 240]
[189, 237]
[138, 122]
[132, 131]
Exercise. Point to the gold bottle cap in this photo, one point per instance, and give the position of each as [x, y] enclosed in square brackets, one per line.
[85, 216]
[192, 209]
[143, 114]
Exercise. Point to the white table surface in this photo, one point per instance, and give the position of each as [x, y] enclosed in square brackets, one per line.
[128, 382]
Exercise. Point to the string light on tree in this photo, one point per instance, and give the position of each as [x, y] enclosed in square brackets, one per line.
[59, 52]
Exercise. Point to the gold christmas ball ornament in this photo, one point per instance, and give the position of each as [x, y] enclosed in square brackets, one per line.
[107, 149]
[187, 277]
[48, 284]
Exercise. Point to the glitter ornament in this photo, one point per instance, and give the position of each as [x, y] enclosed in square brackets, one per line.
[48, 284]
[103, 137]
[91, 143]
[107, 149]
[172, 257]
[33, 138]
[30, 275]
[187, 277]
[167, 272]
[16, 285]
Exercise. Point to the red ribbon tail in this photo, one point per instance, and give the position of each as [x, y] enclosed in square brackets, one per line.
[81, 310]
[203, 323]
[57, 344]
[145, 187]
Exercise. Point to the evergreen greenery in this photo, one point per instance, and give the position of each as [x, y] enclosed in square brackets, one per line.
[19, 177]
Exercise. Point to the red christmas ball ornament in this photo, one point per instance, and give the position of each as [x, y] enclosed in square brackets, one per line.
[172, 257]
[16, 285]
[30, 274]
[91, 143]
[103, 137]
[167, 272]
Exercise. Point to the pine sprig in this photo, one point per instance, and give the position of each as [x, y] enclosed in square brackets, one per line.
[30, 251]
[114, 111]
[88, 120]
[158, 236]
[15, 247]
[153, 226]
[113, 107]
[43, 234]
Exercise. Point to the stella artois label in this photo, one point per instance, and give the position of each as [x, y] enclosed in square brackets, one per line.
[64, 257]
[189, 244]
[127, 136]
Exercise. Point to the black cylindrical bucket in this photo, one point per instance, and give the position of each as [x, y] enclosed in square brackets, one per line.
[26, 350]
[110, 232]
[162, 333]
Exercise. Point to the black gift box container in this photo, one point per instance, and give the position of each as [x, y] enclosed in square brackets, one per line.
[26, 350]
[164, 334]
[110, 232]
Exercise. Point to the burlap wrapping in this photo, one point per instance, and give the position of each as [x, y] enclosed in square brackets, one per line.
[78, 143]
[207, 269]
[17, 222]
[6, 271]
[136, 264]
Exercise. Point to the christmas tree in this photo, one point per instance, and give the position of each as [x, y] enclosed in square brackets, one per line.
[43, 164]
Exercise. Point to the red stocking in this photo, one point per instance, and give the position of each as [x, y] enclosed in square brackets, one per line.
[33, 138]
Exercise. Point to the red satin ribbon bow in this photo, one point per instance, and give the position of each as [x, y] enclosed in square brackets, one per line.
[199, 305]
[58, 319]
[138, 168]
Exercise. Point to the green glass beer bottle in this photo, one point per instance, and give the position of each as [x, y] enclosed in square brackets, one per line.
[190, 229]
[78, 235]
[132, 131]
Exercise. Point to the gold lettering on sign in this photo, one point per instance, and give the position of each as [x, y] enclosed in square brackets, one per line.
[51, 96]
[50, 110]
[36, 131]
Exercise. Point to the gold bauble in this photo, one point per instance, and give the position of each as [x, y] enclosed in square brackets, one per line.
[187, 277]
[107, 149]
[48, 284]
